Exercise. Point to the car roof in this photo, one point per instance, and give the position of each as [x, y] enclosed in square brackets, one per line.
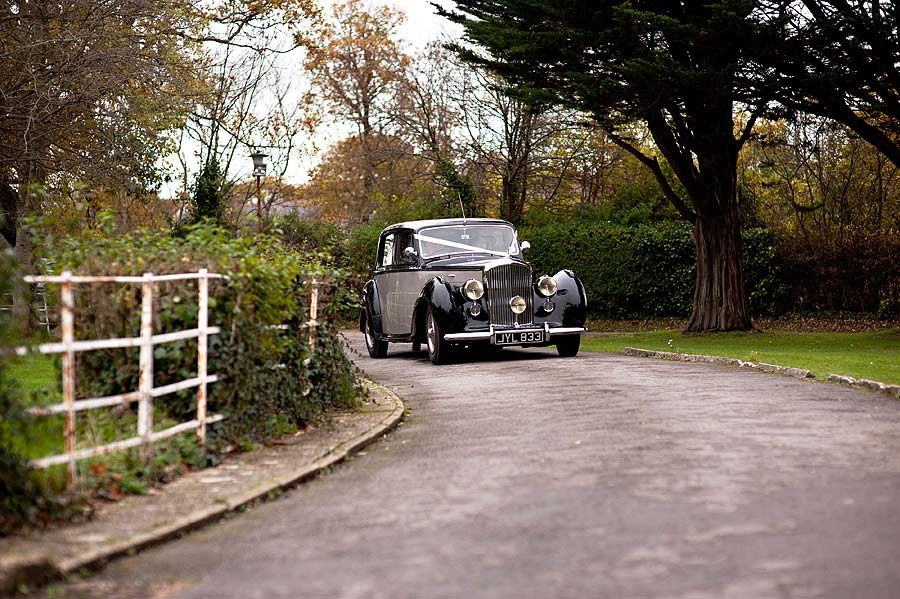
[416, 225]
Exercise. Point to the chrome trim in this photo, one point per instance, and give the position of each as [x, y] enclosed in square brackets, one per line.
[502, 281]
[468, 336]
[565, 330]
[481, 335]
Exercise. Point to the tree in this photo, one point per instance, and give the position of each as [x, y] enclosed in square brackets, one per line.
[429, 118]
[837, 60]
[504, 132]
[813, 179]
[209, 193]
[402, 184]
[465, 122]
[678, 67]
[88, 91]
[252, 100]
[357, 65]
[584, 167]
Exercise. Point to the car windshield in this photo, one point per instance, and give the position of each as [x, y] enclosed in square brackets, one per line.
[497, 240]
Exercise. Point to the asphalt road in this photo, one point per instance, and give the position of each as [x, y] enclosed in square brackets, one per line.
[528, 475]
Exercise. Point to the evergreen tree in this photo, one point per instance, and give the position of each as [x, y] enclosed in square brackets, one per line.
[208, 199]
[838, 60]
[678, 67]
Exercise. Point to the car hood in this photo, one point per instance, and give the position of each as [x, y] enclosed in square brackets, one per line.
[480, 261]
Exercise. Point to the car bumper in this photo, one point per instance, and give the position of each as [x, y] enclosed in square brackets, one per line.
[549, 331]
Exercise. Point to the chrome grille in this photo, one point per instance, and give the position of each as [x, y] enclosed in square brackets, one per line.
[503, 282]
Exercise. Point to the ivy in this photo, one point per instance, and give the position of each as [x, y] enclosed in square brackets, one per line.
[270, 380]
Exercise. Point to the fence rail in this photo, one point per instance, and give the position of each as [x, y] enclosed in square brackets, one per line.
[146, 392]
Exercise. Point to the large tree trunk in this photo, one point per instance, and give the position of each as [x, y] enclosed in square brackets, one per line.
[720, 300]
[708, 171]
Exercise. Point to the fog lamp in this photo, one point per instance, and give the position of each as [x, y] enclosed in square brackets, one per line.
[517, 304]
[548, 306]
[475, 310]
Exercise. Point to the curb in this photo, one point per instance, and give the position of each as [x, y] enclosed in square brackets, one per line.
[39, 568]
[892, 391]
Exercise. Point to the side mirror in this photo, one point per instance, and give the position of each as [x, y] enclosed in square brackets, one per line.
[525, 245]
[410, 252]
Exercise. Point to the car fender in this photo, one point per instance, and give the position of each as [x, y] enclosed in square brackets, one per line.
[371, 308]
[571, 299]
[445, 305]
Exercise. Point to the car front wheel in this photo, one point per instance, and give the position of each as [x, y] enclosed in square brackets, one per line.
[438, 349]
[376, 347]
[568, 346]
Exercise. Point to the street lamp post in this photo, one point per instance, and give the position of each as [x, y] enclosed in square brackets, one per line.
[259, 171]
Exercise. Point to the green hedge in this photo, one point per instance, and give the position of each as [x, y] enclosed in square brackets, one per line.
[636, 263]
[628, 270]
[270, 380]
[644, 270]
[352, 253]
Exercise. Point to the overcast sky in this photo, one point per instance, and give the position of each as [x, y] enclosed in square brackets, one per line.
[422, 25]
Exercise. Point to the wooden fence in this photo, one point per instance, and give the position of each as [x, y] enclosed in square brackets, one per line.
[146, 392]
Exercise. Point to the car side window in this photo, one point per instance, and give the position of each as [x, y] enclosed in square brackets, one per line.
[404, 241]
[386, 257]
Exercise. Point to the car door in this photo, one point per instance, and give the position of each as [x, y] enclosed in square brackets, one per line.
[396, 278]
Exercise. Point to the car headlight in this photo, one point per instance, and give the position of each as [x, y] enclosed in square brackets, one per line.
[474, 290]
[546, 286]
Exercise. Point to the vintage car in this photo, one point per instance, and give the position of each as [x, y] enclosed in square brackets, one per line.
[455, 283]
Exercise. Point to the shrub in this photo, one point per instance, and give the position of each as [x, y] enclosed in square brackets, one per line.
[764, 273]
[359, 255]
[270, 380]
[643, 270]
[859, 273]
[312, 236]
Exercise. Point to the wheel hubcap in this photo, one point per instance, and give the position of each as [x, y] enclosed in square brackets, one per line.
[431, 334]
[370, 338]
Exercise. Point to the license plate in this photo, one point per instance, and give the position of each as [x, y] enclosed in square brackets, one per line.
[518, 337]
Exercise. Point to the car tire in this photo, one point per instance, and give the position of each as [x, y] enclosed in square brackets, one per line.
[377, 348]
[568, 346]
[438, 349]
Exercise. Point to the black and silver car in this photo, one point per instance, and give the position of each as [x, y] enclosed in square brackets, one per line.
[464, 282]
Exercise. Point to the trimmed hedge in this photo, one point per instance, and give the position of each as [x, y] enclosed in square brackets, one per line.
[645, 270]
[648, 269]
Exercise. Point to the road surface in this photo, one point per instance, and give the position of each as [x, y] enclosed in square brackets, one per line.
[529, 475]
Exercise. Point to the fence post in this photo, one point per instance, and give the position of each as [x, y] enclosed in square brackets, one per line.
[202, 322]
[313, 314]
[67, 322]
[145, 387]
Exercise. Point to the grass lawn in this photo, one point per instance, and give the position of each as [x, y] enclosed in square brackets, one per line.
[38, 379]
[34, 373]
[872, 355]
